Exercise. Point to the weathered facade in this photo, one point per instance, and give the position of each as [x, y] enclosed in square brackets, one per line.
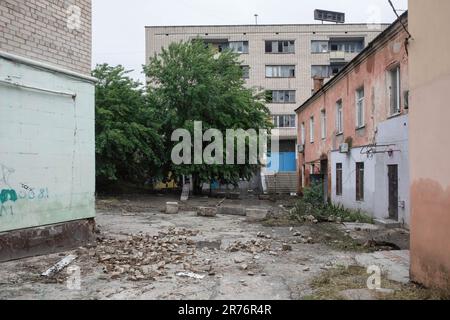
[282, 60]
[353, 131]
[429, 140]
[47, 128]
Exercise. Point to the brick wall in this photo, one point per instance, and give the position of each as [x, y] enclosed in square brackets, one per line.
[39, 29]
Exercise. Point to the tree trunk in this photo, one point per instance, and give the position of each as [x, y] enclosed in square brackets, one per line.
[197, 185]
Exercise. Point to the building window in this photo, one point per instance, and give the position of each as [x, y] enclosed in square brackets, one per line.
[320, 71]
[319, 46]
[281, 96]
[245, 72]
[360, 181]
[280, 71]
[238, 46]
[323, 120]
[284, 121]
[339, 117]
[394, 90]
[339, 179]
[335, 68]
[360, 108]
[280, 46]
[311, 130]
[303, 131]
[349, 46]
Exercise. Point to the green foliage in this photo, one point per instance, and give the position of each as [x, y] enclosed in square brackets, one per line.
[313, 204]
[190, 82]
[128, 146]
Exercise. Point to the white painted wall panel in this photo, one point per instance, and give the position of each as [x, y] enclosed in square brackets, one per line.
[47, 148]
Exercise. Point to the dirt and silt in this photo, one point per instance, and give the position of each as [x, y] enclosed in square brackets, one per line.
[143, 253]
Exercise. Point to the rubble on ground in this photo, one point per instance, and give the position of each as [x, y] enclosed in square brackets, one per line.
[253, 246]
[146, 257]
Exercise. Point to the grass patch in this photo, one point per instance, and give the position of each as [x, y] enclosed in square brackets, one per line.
[330, 284]
[313, 207]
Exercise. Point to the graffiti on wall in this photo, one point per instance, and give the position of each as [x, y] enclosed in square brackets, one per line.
[9, 195]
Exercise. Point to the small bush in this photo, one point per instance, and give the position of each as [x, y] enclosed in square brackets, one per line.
[313, 205]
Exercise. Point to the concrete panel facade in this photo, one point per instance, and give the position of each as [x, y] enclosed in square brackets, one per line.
[257, 59]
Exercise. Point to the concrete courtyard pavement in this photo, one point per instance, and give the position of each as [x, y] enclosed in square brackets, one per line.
[143, 253]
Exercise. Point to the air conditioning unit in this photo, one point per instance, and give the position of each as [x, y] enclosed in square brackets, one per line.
[344, 148]
[300, 148]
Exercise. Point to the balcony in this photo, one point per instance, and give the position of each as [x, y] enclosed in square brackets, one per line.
[337, 55]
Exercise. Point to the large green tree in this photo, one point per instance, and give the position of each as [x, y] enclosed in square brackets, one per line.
[128, 145]
[191, 82]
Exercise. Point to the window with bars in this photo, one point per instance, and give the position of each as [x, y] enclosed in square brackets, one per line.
[339, 179]
[360, 181]
[285, 46]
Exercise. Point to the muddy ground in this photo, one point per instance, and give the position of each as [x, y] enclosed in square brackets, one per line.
[143, 253]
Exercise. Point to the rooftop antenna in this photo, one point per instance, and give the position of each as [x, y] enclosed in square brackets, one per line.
[256, 18]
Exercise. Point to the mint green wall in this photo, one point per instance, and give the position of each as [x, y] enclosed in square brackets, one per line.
[47, 148]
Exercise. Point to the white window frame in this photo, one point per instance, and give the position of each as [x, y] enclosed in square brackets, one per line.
[323, 118]
[276, 71]
[339, 117]
[303, 132]
[311, 129]
[395, 109]
[236, 46]
[360, 108]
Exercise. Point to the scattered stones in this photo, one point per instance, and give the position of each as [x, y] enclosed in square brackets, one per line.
[172, 207]
[306, 269]
[238, 260]
[254, 246]
[207, 212]
[144, 257]
[244, 267]
[286, 247]
[297, 234]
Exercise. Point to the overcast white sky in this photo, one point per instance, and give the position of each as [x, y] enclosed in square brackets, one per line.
[118, 25]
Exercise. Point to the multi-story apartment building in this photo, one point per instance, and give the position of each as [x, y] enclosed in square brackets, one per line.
[47, 127]
[280, 59]
[354, 130]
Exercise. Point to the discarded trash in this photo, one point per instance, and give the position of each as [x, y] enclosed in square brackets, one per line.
[190, 275]
[59, 266]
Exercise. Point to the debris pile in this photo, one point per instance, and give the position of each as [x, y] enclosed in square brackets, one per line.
[145, 257]
[253, 246]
